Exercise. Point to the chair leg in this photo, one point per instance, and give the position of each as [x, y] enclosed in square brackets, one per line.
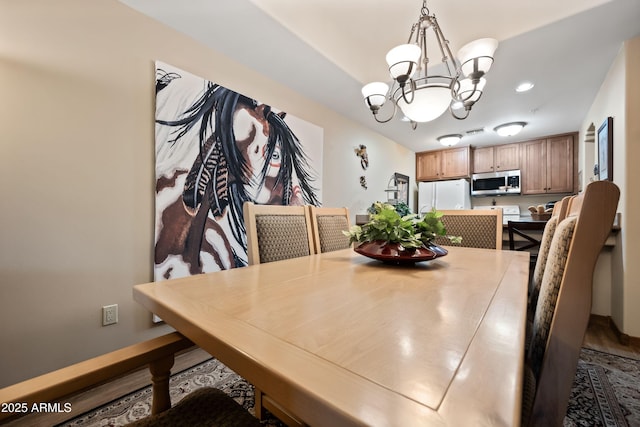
[160, 374]
[258, 407]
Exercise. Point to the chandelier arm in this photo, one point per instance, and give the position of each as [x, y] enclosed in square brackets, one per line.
[413, 30]
[455, 116]
[457, 97]
[412, 85]
[393, 114]
[464, 101]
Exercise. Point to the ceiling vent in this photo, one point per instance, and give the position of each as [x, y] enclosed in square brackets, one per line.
[475, 131]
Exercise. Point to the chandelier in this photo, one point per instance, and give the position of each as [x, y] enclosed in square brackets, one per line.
[422, 97]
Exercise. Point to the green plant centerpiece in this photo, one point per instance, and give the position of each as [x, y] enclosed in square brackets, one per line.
[393, 237]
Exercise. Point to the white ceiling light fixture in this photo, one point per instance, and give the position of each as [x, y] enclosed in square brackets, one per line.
[449, 140]
[509, 129]
[422, 97]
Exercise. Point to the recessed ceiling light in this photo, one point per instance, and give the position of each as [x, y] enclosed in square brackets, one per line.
[509, 129]
[524, 86]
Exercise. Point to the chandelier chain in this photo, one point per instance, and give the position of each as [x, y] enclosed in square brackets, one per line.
[425, 9]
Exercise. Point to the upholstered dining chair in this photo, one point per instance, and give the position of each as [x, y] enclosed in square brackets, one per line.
[276, 232]
[523, 236]
[328, 225]
[478, 228]
[564, 304]
[206, 406]
[558, 214]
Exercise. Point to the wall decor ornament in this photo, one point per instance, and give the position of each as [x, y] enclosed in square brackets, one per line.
[605, 150]
[216, 149]
[363, 182]
[361, 151]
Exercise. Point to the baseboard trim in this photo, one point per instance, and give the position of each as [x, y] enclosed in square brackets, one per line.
[623, 338]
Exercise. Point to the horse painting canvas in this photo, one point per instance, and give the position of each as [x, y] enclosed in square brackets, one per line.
[216, 149]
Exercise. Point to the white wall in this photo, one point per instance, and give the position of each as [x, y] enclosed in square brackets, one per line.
[631, 231]
[76, 163]
[617, 288]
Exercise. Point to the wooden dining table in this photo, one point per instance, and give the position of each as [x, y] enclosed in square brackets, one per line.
[339, 339]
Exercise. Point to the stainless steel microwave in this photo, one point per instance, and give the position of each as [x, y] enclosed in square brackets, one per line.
[495, 183]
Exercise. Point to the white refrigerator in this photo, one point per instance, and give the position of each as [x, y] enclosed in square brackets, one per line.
[453, 194]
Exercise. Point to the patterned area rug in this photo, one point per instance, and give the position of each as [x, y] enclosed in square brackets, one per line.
[606, 392]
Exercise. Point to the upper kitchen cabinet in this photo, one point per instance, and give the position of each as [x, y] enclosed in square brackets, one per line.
[496, 158]
[443, 164]
[549, 165]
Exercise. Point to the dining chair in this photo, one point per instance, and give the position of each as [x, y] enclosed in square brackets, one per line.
[520, 228]
[558, 214]
[276, 232]
[523, 236]
[564, 304]
[479, 228]
[328, 225]
[206, 406]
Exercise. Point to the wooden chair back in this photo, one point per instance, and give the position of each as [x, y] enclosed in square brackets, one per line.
[563, 310]
[276, 232]
[478, 228]
[327, 225]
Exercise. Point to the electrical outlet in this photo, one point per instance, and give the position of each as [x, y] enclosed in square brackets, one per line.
[109, 314]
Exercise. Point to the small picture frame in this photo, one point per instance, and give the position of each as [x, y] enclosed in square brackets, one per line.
[605, 150]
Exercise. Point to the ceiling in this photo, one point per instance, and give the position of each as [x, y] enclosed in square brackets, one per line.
[328, 49]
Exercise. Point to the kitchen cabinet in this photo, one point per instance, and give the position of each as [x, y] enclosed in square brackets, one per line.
[496, 158]
[427, 166]
[443, 164]
[549, 165]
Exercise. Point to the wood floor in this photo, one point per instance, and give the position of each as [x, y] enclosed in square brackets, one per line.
[601, 335]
